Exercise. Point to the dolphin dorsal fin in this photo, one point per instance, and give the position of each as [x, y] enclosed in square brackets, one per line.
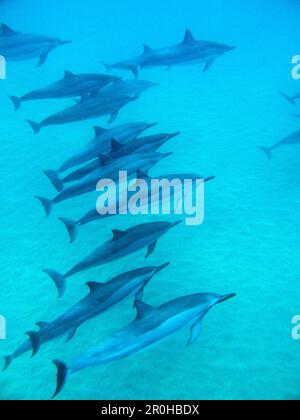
[117, 234]
[143, 309]
[69, 75]
[105, 160]
[99, 131]
[93, 286]
[142, 175]
[188, 37]
[147, 49]
[6, 30]
[116, 146]
[42, 324]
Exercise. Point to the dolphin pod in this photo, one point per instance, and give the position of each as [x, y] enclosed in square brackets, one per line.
[71, 85]
[290, 140]
[190, 51]
[150, 326]
[122, 244]
[110, 170]
[141, 145]
[102, 297]
[93, 215]
[120, 148]
[17, 46]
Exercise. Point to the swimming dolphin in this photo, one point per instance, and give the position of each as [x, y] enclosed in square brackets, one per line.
[190, 51]
[17, 46]
[101, 298]
[150, 326]
[93, 215]
[291, 99]
[70, 86]
[118, 150]
[123, 243]
[101, 143]
[287, 141]
[131, 164]
[91, 106]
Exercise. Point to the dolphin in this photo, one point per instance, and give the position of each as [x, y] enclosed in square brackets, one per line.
[150, 326]
[101, 143]
[291, 99]
[131, 164]
[287, 141]
[190, 51]
[91, 106]
[93, 215]
[71, 85]
[122, 244]
[118, 150]
[17, 46]
[102, 297]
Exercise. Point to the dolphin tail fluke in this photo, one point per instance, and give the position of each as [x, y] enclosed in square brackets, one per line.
[62, 374]
[17, 102]
[53, 176]
[267, 151]
[59, 280]
[35, 126]
[35, 339]
[7, 362]
[47, 204]
[288, 98]
[72, 228]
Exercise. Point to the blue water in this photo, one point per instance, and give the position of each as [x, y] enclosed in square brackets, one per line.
[249, 243]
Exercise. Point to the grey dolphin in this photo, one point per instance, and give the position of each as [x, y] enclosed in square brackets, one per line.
[93, 215]
[101, 298]
[150, 326]
[287, 141]
[91, 106]
[17, 46]
[122, 244]
[118, 150]
[131, 164]
[291, 99]
[70, 86]
[101, 143]
[190, 51]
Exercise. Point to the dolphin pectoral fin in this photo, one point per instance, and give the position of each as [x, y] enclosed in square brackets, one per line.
[195, 332]
[62, 374]
[135, 70]
[43, 59]
[151, 249]
[208, 65]
[35, 339]
[143, 309]
[71, 335]
[7, 362]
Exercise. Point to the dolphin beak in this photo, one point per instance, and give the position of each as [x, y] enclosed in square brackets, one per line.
[151, 125]
[177, 223]
[171, 136]
[226, 297]
[162, 267]
[65, 42]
